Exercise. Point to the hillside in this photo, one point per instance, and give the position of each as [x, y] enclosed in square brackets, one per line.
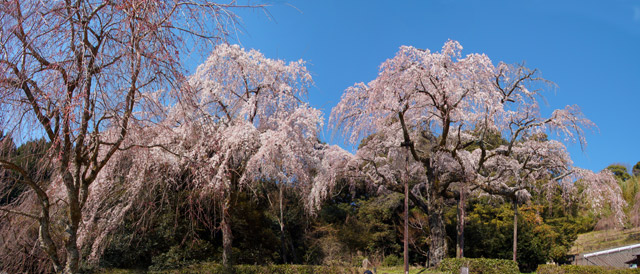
[599, 240]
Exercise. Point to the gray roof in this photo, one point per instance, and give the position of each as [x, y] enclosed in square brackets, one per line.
[615, 257]
[613, 250]
[612, 259]
[636, 260]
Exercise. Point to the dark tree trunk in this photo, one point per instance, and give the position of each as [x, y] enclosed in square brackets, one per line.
[433, 206]
[461, 215]
[437, 233]
[71, 228]
[225, 225]
[71, 246]
[515, 230]
[406, 227]
[283, 246]
[294, 254]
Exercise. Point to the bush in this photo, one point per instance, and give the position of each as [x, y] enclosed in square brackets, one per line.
[479, 266]
[180, 256]
[392, 260]
[582, 269]
[213, 268]
[356, 261]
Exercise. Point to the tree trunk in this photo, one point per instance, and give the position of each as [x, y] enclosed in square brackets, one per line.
[461, 214]
[45, 237]
[437, 233]
[283, 246]
[294, 254]
[515, 230]
[225, 225]
[71, 246]
[71, 229]
[406, 227]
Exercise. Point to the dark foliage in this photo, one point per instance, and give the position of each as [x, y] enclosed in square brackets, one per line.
[620, 171]
[481, 265]
[31, 157]
[544, 233]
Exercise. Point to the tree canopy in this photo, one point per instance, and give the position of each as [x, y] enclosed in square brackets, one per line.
[457, 102]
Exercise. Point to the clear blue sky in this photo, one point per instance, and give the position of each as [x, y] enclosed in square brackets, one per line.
[590, 49]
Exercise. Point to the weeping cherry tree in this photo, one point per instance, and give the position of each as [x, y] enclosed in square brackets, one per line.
[428, 117]
[249, 122]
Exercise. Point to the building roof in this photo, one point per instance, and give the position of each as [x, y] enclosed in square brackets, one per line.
[613, 250]
[634, 261]
[616, 257]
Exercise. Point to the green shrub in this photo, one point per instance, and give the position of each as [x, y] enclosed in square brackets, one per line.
[392, 260]
[213, 268]
[356, 261]
[583, 269]
[180, 256]
[479, 266]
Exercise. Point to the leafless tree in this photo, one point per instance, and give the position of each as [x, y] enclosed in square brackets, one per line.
[82, 73]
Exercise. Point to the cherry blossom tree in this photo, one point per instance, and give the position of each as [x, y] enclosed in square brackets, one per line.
[443, 108]
[263, 130]
[81, 73]
[245, 122]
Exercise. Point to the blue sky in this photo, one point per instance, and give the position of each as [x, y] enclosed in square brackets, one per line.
[590, 49]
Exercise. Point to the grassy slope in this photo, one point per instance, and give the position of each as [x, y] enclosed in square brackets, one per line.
[600, 240]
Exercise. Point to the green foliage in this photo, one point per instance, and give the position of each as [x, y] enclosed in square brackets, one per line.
[482, 220]
[182, 255]
[480, 265]
[213, 268]
[392, 260]
[30, 156]
[294, 217]
[582, 269]
[492, 140]
[619, 171]
[171, 238]
[116, 271]
[539, 239]
[355, 223]
[630, 189]
[371, 227]
[630, 186]
[132, 246]
[412, 270]
[255, 237]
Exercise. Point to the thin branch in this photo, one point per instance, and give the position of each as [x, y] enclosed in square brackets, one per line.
[35, 217]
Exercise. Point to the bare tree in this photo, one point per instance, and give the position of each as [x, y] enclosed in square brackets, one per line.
[81, 73]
